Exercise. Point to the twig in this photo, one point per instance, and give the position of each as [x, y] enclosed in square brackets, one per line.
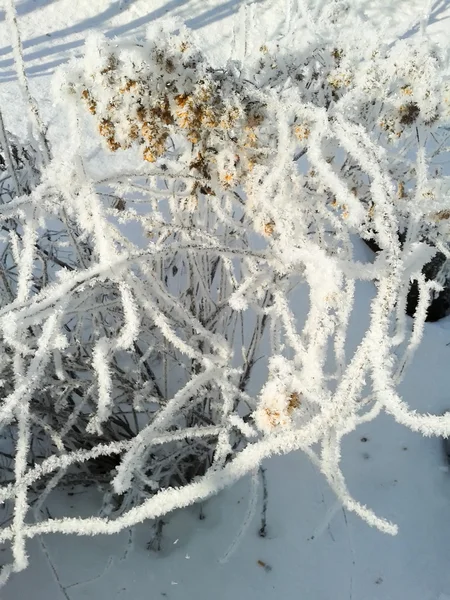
[265, 498]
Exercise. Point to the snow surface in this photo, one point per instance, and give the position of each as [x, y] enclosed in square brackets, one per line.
[313, 550]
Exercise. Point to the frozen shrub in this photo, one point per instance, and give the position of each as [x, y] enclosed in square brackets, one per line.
[150, 281]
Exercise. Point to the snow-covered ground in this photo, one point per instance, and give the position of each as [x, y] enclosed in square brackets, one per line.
[313, 550]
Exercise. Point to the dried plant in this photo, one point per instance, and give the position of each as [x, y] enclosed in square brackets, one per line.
[142, 296]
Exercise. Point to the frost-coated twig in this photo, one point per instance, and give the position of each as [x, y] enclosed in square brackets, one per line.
[17, 47]
[7, 156]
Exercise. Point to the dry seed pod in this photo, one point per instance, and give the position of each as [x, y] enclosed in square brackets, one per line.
[269, 228]
[302, 132]
[148, 154]
[294, 402]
